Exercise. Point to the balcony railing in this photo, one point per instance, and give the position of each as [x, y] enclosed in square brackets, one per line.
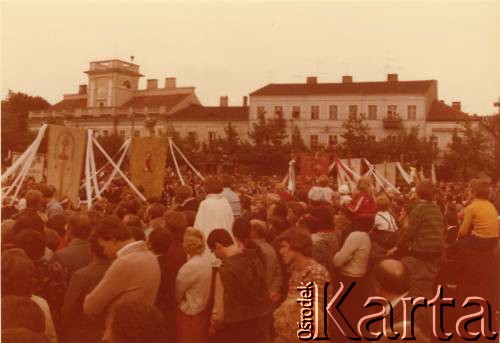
[393, 121]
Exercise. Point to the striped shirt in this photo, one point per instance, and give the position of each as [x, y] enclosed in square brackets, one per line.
[425, 231]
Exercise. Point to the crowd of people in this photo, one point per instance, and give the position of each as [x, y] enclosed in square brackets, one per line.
[220, 260]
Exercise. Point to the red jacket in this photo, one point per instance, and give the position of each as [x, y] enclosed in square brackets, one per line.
[362, 206]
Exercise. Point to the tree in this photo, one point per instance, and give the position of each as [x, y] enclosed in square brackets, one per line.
[356, 136]
[268, 132]
[15, 110]
[232, 140]
[491, 126]
[467, 152]
[298, 144]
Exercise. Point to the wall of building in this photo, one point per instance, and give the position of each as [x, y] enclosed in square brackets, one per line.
[203, 128]
[324, 126]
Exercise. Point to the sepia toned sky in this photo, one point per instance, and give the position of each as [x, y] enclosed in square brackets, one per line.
[228, 48]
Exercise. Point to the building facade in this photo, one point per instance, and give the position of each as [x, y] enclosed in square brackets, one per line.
[112, 102]
[319, 109]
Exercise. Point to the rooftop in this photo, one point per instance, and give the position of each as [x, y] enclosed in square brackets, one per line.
[381, 87]
[441, 112]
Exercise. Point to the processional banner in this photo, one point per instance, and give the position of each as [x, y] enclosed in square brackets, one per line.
[65, 158]
[148, 157]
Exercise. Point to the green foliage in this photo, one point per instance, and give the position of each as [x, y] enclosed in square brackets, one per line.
[232, 140]
[356, 136]
[15, 109]
[268, 132]
[467, 153]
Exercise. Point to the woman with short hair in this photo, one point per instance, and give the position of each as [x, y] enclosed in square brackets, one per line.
[193, 288]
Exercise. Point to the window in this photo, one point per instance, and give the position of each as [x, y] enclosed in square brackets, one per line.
[392, 110]
[96, 133]
[296, 112]
[101, 104]
[372, 112]
[137, 133]
[261, 111]
[278, 111]
[314, 141]
[332, 140]
[211, 136]
[353, 110]
[334, 112]
[412, 112]
[105, 133]
[314, 113]
[122, 133]
[192, 136]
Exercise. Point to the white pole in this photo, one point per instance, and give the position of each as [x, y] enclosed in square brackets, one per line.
[175, 161]
[20, 161]
[188, 163]
[118, 169]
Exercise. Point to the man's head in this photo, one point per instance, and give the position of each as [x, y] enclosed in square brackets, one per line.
[80, 226]
[32, 242]
[391, 279]
[28, 221]
[479, 189]
[47, 193]
[58, 223]
[155, 210]
[213, 185]
[425, 190]
[132, 220]
[22, 312]
[176, 223]
[293, 245]
[112, 235]
[160, 240]
[18, 273]
[33, 199]
[259, 229]
[242, 230]
[183, 192]
[218, 241]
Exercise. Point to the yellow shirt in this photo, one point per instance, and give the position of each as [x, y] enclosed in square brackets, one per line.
[480, 219]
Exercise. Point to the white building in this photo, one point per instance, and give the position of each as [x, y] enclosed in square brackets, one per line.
[319, 109]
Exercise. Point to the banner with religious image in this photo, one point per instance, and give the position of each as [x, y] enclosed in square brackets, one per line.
[147, 164]
[65, 159]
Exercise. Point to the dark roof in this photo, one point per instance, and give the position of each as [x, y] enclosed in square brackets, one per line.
[441, 112]
[69, 104]
[211, 113]
[389, 87]
[168, 101]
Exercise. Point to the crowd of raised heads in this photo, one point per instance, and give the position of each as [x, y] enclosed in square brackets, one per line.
[220, 260]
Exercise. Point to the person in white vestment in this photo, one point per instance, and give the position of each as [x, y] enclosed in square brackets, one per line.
[214, 212]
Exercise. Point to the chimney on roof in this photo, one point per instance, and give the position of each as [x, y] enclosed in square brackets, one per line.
[82, 89]
[392, 77]
[347, 79]
[456, 105]
[223, 102]
[170, 82]
[311, 80]
[152, 84]
[245, 101]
